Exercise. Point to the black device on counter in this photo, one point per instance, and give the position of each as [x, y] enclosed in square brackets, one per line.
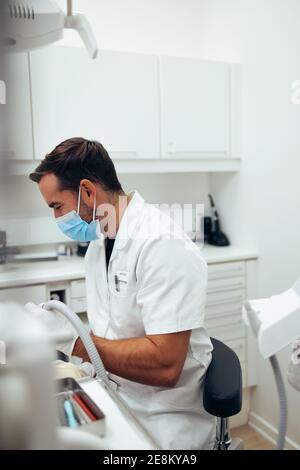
[207, 228]
[216, 236]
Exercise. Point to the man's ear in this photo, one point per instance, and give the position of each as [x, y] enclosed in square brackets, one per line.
[88, 191]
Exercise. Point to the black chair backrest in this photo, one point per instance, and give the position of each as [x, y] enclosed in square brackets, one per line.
[222, 394]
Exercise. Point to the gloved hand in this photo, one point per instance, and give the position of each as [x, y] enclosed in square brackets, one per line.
[55, 322]
[67, 369]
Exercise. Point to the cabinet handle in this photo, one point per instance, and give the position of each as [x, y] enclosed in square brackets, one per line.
[225, 274]
[124, 154]
[226, 287]
[197, 154]
[224, 313]
[229, 300]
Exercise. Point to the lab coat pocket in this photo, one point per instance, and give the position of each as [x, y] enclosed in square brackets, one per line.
[125, 315]
[121, 284]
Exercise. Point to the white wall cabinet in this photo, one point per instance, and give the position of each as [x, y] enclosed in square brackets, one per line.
[113, 99]
[199, 108]
[18, 139]
[153, 114]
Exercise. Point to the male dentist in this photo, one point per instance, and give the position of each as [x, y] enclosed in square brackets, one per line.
[146, 289]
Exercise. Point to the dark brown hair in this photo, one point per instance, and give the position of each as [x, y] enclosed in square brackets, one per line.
[76, 159]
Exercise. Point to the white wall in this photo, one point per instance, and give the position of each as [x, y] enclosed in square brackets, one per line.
[151, 26]
[260, 205]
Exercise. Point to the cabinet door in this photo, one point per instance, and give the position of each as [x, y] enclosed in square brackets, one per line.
[22, 295]
[113, 99]
[18, 142]
[195, 108]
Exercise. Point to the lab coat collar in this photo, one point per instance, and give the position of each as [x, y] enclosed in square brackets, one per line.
[129, 222]
[128, 225]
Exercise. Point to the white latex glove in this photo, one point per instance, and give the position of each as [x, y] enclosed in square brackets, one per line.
[56, 324]
[68, 369]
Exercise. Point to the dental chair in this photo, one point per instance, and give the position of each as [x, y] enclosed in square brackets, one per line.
[222, 394]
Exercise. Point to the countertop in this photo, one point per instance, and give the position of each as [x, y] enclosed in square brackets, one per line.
[71, 268]
[122, 432]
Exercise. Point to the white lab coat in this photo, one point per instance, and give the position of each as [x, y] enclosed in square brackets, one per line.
[161, 289]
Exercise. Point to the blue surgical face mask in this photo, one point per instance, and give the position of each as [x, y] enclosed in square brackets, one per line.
[72, 225]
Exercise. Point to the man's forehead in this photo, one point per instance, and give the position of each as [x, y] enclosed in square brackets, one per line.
[49, 187]
[49, 183]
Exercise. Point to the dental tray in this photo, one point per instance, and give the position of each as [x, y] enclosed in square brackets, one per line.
[80, 411]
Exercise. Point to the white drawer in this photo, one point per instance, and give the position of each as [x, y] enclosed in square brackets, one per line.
[78, 305]
[226, 334]
[239, 347]
[223, 309]
[226, 270]
[215, 299]
[222, 321]
[78, 288]
[224, 284]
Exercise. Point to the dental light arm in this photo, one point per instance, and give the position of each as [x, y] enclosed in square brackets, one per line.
[81, 24]
[84, 335]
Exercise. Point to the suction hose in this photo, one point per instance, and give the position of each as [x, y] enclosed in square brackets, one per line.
[282, 403]
[84, 335]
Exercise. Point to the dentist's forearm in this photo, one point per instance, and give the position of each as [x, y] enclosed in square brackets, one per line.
[137, 359]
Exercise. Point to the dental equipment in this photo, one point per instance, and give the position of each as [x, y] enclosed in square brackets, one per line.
[276, 323]
[26, 385]
[37, 23]
[84, 335]
[95, 358]
[28, 411]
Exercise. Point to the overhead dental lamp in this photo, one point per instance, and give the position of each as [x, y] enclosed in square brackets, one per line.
[31, 24]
